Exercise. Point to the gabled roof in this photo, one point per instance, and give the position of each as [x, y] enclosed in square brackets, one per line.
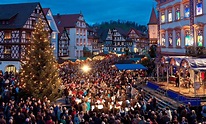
[102, 33]
[136, 31]
[153, 17]
[121, 31]
[53, 25]
[66, 21]
[16, 14]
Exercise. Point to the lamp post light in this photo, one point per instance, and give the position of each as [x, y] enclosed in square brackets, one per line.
[86, 68]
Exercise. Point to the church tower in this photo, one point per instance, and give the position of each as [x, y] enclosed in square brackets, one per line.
[153, 28]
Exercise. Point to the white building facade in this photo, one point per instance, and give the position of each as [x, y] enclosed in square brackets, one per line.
[182, 24]
[55, 31]
[75, 26]
[78, 38]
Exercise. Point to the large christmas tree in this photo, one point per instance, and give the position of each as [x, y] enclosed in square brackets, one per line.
[39, 74]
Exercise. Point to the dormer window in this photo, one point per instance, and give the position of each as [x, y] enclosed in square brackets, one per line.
[7, 35]
[77, 23]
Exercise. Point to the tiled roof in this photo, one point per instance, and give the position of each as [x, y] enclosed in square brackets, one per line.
[121, 31]
[153, 17]
[66, 21]
[102, 33]
[45, 10]
[16, 14]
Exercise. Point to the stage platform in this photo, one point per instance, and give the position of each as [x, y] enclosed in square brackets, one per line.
[181, 94]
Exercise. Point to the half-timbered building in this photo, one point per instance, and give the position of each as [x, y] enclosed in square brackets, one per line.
[17, 23]
[139, 40]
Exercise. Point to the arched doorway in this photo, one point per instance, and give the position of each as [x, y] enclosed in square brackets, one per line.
[10, 68]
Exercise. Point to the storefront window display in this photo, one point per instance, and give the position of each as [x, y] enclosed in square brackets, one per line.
[178, 39]
[187, 11]
[188, 39]
[163, 40]
[199, 7]
[178, 13]
[200, 38]
[170, 40]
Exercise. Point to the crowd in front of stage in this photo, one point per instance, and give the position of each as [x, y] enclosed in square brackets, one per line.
[103, 95]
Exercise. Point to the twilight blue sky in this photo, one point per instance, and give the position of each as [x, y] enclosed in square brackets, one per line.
[96, 11]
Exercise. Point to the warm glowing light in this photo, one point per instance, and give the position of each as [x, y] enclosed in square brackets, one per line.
[86, 68]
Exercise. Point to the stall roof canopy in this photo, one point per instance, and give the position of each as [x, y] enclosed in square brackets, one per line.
[196, 62]
[130, 67]
[199, 69]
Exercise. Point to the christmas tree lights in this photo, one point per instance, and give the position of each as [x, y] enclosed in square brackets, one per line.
[39, 73]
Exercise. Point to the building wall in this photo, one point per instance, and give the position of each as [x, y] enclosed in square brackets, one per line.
[54, 35]
[77, 42]
[179, 29]
[72, 45]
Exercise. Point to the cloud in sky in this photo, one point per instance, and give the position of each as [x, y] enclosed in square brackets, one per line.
[96, 11]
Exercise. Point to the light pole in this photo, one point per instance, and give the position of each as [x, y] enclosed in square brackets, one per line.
[167, 65]
[158, 77]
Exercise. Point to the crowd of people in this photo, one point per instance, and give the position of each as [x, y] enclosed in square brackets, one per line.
[103, 95]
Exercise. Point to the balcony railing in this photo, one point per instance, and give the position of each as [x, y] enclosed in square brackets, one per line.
[195, 51]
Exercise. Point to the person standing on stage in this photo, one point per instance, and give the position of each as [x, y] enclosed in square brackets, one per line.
[177, 81]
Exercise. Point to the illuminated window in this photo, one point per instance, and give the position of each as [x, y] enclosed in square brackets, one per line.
[53, 35]
[33, 23]
[28, 35]
[199, 7]
[77, 42]
[188, 39]
[177, 14]
[77, 31]
[163, 40]
[169, 16]
[200, 38]
[84, 41]
[80, 42]
[163, 17]
[187, 11]
[170, 39]
[7, 35]
[178, 39]
[7, 50]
